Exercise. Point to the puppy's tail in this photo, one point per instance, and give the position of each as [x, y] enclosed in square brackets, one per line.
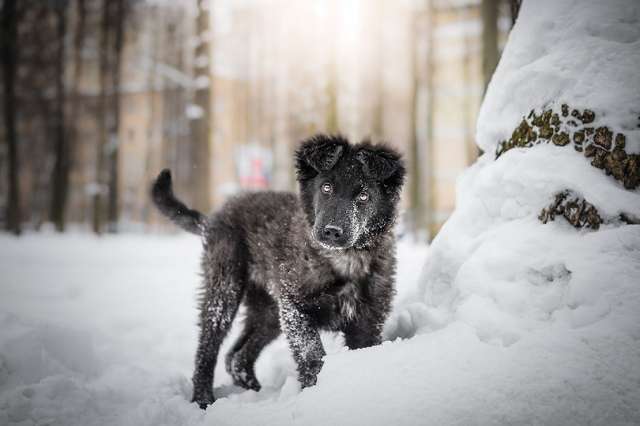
[162, 194]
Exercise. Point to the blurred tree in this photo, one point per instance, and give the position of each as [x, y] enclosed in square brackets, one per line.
[514, 6]
[101, 115]
[201, 125]
[8, 46]
[74, 99]
[490, 55]
[332, 99]
[37, 92]
[150, 168]
[421, 191]
[114, 15]
[120, 16]
[62, 151]
[378, 108]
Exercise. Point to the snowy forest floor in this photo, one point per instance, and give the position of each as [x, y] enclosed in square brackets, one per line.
[102, 331]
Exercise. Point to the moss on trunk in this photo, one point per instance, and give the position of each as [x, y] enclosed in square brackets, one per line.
[575, 209]
[605, 149]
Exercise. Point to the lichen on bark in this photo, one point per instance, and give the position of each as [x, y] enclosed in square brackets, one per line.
[580, 213]
[575, 209]
[601, 145]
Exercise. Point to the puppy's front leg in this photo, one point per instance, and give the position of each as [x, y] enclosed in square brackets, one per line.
[363, 333]
[303, 337]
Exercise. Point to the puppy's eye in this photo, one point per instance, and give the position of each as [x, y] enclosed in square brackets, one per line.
[327, 188]
[363, 196]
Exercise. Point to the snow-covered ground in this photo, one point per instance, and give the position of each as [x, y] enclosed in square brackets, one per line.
[102, 331]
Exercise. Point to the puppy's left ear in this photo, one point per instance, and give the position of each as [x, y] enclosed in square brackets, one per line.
[319, 154]
[382, 163]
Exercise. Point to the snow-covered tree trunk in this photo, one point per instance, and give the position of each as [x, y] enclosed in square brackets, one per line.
[540, 257]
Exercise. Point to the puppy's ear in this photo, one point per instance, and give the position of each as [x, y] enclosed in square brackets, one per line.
[382, 163]
[318, 154]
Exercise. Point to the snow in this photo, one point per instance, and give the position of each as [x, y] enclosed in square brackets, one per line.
[102, 331]
[503, 320]
[584, 53]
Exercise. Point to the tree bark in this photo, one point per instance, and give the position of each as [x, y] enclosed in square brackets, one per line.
[490, 54]
[150, 166]
[415, 188]
[201, 126]
[514, 6]
[421, 193]
[103, 71]
[9, 60]
[60, 175]
[74, 90]
[378, 111]
[114, 128]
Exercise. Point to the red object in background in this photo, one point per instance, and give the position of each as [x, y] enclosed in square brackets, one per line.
[254, 167]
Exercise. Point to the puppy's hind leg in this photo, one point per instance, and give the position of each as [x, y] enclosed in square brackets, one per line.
[260, 328]
[224, 266]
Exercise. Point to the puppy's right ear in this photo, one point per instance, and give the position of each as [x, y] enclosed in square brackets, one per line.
[318, 154]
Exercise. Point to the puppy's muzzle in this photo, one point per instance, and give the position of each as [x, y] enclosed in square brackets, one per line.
[332, 233]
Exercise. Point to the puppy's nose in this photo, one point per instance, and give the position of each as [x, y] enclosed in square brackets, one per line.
[332, 232]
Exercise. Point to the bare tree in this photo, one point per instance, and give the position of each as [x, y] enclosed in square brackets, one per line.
[120, 15]
[378, 109]
[103, 72]
[201, 125]
[415, 189]
[114, 15]
[9, 44]
[421, 185]
[490, 55]
[60, 175]
[514, 6]
[149, 165]
[64, 160]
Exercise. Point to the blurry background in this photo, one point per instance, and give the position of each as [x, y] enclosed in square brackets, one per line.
[98, 96]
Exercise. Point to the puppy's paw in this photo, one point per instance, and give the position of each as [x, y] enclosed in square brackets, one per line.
[247, 381]
[203, 399]
[308, 374]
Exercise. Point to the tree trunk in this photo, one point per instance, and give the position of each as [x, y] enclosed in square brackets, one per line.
[150, 166]
[489, 39]
[103, 71]
[514, 6]
[60, 175]
[201, 125]
[114, 128]
[378, 111]
[9, 60]
[421, 193]
[75, 101]
[415, 188]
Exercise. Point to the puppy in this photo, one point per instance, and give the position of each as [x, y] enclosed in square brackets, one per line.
[323, 260]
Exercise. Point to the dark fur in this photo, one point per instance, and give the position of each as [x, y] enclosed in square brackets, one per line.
[299, 264]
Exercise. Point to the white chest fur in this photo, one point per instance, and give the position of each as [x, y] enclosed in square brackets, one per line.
[348, 300]
[350, 264]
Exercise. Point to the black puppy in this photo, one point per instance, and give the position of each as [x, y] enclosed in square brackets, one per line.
[324, 260]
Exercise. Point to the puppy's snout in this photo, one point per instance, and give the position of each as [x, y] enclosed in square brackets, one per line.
[332, 233]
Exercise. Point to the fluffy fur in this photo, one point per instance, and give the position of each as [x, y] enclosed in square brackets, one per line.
[323, 260]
